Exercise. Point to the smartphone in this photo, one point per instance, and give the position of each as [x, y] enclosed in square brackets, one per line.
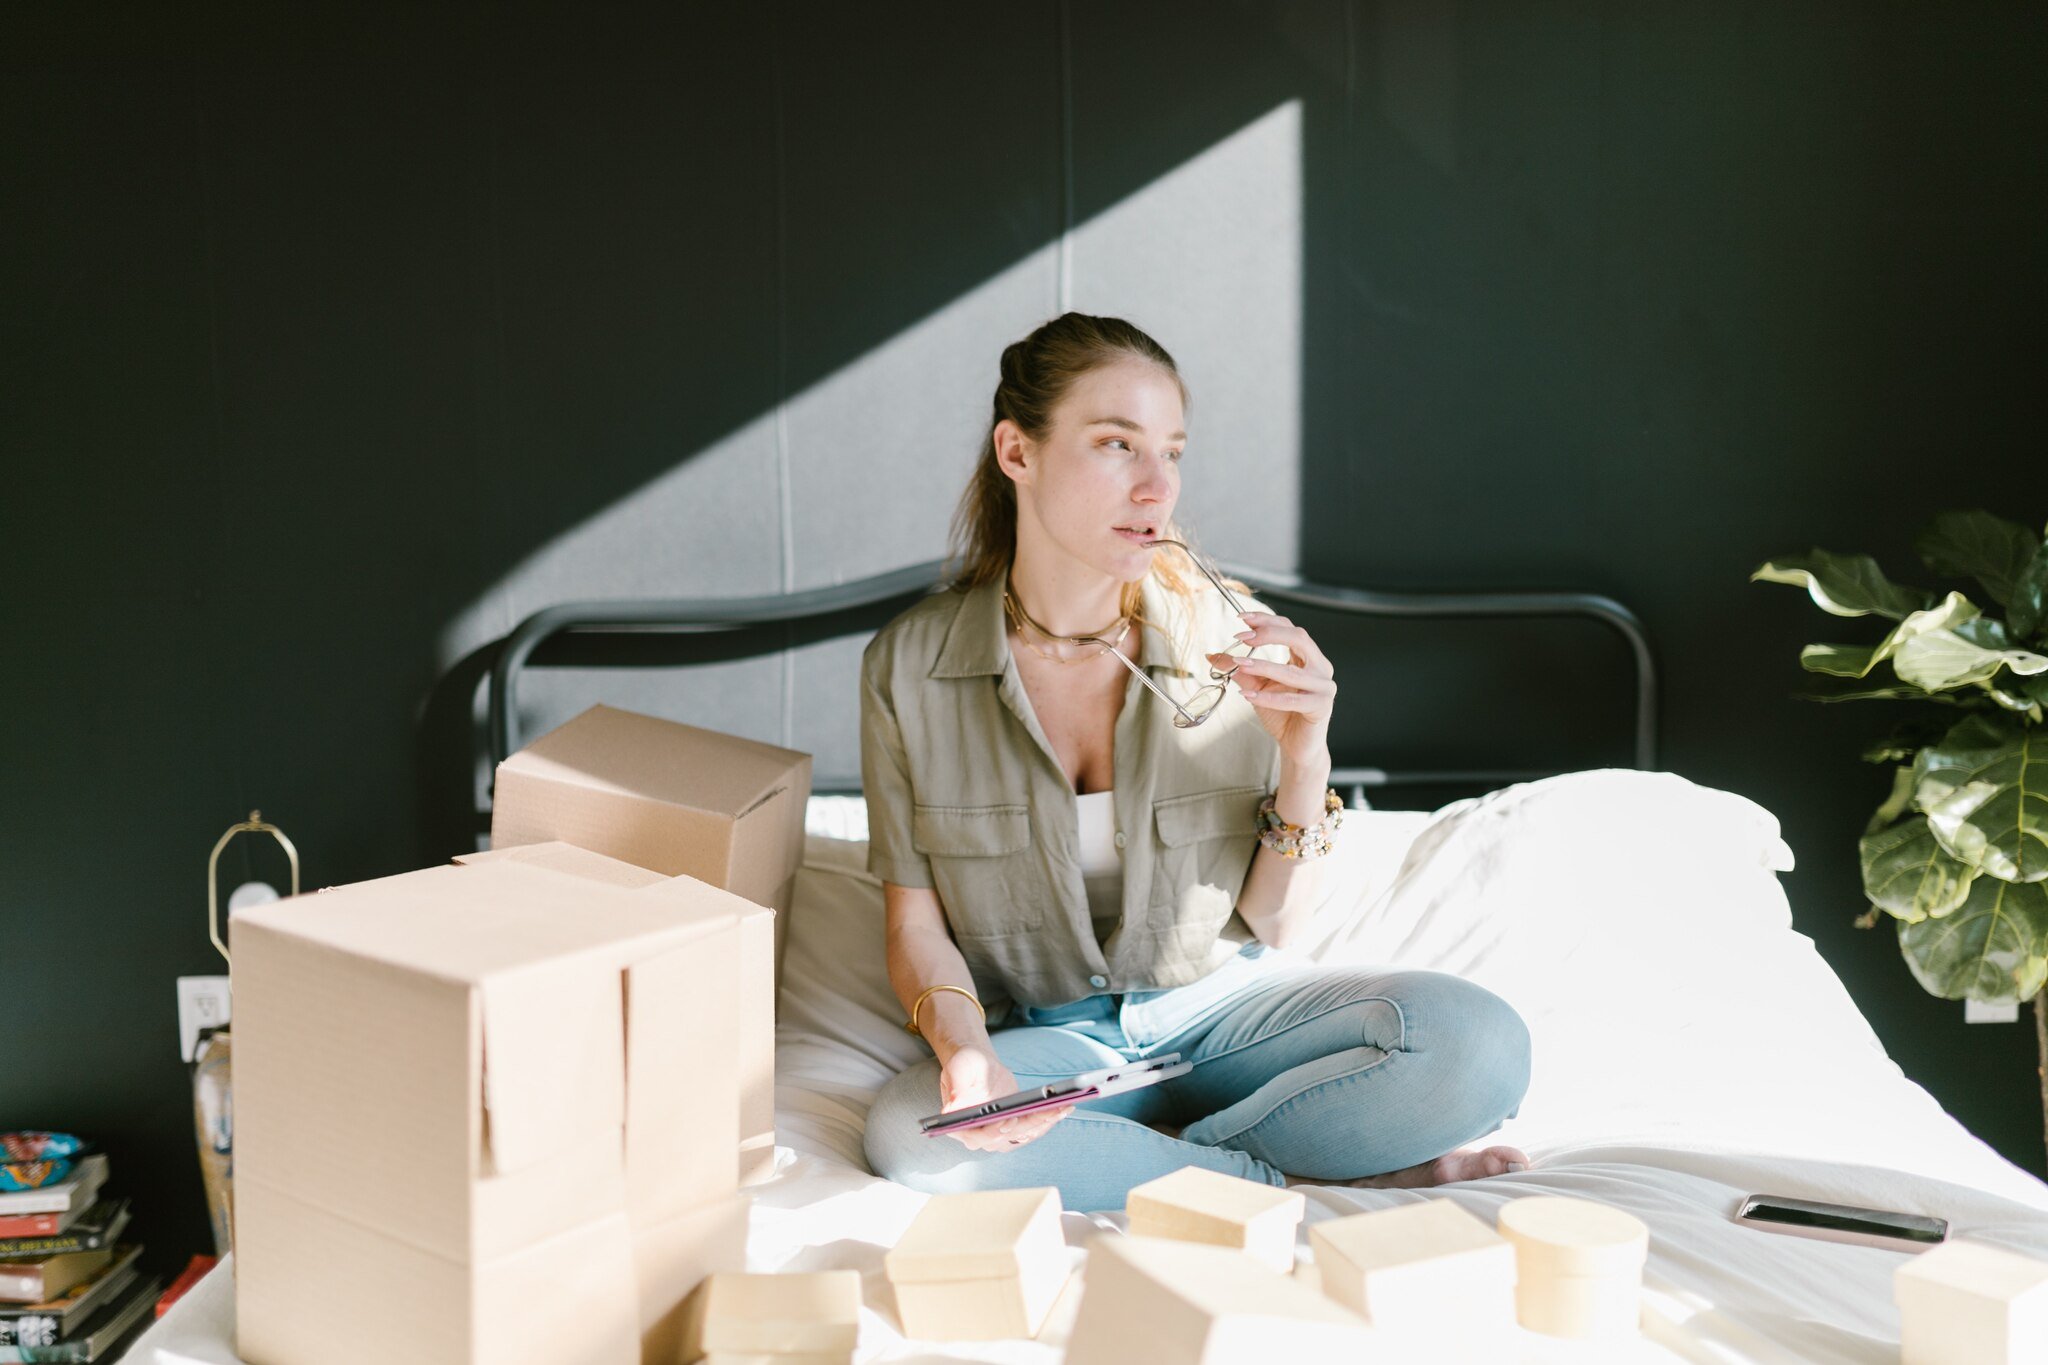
[1843, 1223]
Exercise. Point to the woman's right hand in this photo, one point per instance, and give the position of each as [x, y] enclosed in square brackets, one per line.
[974, 1075]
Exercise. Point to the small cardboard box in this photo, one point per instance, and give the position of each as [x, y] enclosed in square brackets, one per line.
[1578, 1266]
[684, 802]
[755, 1057]
[1179, 1303]
[1969, 1303]
[1427, 1269]
[492, 1104]
[808, 1315]
[677, 799]
[980, 1266]
[1194, 1204]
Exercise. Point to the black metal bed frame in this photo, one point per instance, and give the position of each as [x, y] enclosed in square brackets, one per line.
[819, 607]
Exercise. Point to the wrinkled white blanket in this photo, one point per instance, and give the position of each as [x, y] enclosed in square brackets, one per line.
[1689, 1048]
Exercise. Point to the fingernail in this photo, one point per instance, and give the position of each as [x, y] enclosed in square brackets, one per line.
[1244, 634]
[1517, 1166]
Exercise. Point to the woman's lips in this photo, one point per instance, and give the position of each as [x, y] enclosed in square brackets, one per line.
[1136, 537]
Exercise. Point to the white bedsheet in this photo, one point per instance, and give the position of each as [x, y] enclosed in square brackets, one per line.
[1689, 1048]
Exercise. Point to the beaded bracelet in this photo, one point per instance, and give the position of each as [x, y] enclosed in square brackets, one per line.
[1300, 841]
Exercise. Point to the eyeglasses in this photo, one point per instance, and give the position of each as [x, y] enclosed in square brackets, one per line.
[1204, 702]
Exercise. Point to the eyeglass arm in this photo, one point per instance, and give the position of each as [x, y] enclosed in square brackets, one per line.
[1140, 675]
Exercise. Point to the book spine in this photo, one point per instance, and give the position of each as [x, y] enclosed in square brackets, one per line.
[24, 1248]
[22, 1286]
[79, 1352]
[35, 1327]
[31, 1225]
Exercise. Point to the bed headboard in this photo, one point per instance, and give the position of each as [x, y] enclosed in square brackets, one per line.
[726, 628]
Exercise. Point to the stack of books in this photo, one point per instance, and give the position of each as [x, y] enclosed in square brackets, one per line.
[70, 1288]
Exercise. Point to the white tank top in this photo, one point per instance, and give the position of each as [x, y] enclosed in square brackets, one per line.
[1102, 862]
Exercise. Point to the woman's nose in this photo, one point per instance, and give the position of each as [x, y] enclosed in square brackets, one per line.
[1156, 483]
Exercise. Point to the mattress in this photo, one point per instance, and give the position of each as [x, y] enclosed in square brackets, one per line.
[1689, 1048]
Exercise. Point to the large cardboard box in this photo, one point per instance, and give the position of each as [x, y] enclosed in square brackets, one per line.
[684, 802]
[483, 1114]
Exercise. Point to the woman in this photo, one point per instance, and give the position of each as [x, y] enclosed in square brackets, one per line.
[1085, 864]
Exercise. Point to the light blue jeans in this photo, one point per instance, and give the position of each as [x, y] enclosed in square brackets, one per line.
[1324, 1073]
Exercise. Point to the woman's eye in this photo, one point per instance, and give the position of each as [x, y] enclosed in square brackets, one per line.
[1115, 441]
[1173, 455]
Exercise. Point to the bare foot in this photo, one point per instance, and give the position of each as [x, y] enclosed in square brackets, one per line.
[1451, 1167]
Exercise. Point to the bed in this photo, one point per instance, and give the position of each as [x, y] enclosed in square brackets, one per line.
[1689, 1046]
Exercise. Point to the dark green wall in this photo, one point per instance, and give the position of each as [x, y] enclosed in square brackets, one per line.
[1613, 297]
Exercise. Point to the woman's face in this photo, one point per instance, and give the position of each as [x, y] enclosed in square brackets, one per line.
[1105, 479]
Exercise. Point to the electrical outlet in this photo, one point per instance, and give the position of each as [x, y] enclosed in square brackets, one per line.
[202, 1003]
[1977, 1012]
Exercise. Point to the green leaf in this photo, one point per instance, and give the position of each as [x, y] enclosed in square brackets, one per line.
[1941, 659]
[2011, 698]
[1984, 790]
[2028, 609]
[1895, 805]
[1856, 661]
[1907, 873]
[1846, 585]
[1986, 631]
[1993, 947]
[1880, 694]
[1977, 545]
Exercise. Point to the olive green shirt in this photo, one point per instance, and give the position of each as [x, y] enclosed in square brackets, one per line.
[966, 796]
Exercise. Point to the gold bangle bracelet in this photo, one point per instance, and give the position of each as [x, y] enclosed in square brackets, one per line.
[929, 992]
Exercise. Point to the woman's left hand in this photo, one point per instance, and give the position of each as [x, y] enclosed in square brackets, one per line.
[1294, 699]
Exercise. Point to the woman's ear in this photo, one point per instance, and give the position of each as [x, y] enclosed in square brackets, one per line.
[1014, 455]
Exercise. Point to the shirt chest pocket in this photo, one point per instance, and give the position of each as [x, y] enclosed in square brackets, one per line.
[1206, 842]
[985, 867]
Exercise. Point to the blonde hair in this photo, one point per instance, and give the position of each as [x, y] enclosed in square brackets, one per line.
[1037, 373]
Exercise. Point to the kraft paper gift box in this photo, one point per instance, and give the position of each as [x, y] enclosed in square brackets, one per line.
[981, 1266]
[1970, 1303]
[1181, 1303]
[483, 1114]
[1578, 1266]
[810, 1317]
[685, 802]
[1427, 1270]
[1197, 1205]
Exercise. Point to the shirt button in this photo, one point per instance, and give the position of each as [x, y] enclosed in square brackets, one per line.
[1098, 981]
[1119, 838]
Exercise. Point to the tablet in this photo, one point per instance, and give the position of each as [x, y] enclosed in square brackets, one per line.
[1089, 1085]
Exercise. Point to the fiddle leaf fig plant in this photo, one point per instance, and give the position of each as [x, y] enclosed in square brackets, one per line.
[1957, 854]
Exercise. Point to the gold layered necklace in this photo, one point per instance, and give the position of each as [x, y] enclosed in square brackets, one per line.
[1025, 624]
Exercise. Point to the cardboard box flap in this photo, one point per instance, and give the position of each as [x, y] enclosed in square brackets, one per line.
[607, 749]
[554, 1066]
[682, 1057]
[987, 1234]
[567, 857]
[427, 921]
